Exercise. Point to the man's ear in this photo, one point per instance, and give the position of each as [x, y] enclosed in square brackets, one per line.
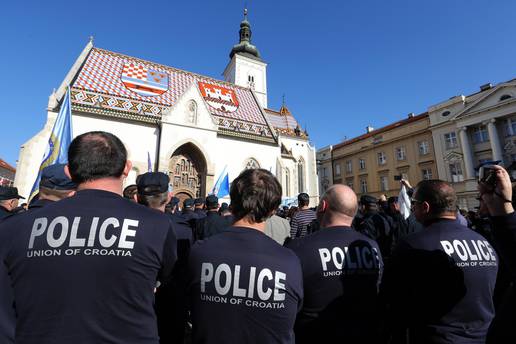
[426, 207]
[67, 171]
[323, 205]
[127, 168]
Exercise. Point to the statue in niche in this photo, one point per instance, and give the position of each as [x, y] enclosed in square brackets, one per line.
[192, 112]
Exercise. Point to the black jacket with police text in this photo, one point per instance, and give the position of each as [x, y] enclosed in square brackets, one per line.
[84, 269]
[439, 283]
[341, 275]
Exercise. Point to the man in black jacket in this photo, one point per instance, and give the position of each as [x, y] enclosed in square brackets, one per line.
[8, 200]
[84, 269]
[374, 225]
[439, 282]
[212, 223]
[497, 199]
[199, 208]
[341, 274]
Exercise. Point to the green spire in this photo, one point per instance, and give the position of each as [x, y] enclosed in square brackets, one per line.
[244, 47]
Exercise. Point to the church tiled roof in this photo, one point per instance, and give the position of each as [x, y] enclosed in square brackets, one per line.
[112, 83]
[6, 166]
[284, 122]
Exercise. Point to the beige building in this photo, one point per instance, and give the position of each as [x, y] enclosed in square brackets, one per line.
[469, 130]
[324, 168]
[369, 163]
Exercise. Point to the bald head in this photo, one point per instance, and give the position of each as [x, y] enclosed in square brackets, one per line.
[339, 206]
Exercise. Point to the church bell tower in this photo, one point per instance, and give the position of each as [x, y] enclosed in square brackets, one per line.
[246, 67]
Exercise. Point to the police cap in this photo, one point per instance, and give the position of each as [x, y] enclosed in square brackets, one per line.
[152, 183]
[188, 203]
[9, 192]
[54, 177]
[174, 201]
[212, 201]
[198, 201]
[224, 206]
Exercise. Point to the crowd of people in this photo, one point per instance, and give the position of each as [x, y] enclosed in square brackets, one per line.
[91, 262]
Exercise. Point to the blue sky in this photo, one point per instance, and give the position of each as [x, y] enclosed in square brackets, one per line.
[341, 64]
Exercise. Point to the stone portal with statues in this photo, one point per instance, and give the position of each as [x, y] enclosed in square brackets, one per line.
[187, 173]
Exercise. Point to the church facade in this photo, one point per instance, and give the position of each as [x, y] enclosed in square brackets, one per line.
[189, 126]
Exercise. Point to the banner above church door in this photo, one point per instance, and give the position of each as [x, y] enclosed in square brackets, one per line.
[144, 81]
[218, 97]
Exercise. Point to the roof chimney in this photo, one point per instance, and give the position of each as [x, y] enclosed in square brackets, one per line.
[485, 87]
[369, 129]
[410, 115]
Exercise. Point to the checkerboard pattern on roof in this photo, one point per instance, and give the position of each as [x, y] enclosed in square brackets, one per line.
[102, 70]
[138, 71]
[280, 121]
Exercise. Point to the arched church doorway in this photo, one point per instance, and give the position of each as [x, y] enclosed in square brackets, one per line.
[187, 174]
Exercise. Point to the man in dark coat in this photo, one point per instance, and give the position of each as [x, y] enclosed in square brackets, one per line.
[8, 200]
[212, 223]
[375, 225]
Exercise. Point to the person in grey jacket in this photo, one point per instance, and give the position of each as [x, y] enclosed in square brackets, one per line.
[277, 228]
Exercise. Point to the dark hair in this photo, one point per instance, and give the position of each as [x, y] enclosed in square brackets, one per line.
[303, 199]
[153, 201]
[130, 191]
[96, 155]
[255, 193]
[438, 194]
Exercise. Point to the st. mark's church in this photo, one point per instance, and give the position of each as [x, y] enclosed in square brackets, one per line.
[191, 126]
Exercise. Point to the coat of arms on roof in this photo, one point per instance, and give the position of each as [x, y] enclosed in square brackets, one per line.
[144, 81]
[218, 97]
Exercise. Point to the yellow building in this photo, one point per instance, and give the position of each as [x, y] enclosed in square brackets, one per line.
[370, 162]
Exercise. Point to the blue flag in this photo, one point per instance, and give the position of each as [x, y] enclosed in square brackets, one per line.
[224, 187]
[58, 142]
[149, 163]
[221, 187]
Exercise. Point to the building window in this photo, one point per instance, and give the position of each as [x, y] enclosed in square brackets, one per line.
[384, 186]
[349, 182]
[361, 164]
[337, 169]
[325, 172]
[456, 172]
[450, 140]
[382, 159]
[363, 186]
[300, 176]
[287, 182]
[423, 147]
[427, 173]
[480, 134]
[192, 112]
[349, 166]
[510, 127]
[505, 97]
[400, 153]
[250, 81]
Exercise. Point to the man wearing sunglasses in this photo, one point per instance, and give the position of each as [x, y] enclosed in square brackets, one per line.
[440, 282]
